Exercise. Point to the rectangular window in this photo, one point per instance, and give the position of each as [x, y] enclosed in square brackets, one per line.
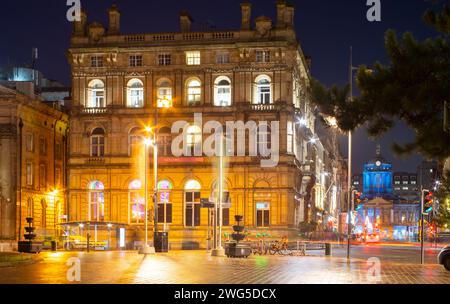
[96, 61]
[193, 58]
[225, 207]
[58, 151]
[30, 174]
[262, 56]
[223, 58]
[135, 60]
[262, 215]
[43, 146]
[290, 137]
[43, 176]
[58, 177]
[164, 59]
[30, 142]
[192, 201]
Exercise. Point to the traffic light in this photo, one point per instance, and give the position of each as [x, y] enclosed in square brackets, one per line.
[428, 202]
[357, 200]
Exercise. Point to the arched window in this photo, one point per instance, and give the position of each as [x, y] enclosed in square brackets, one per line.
[222, 92]
[96, 94]
[135, 93]
[164, 94]
[135, 142]
[96, 201]
[263, 90]
[165, 142]
[136, 202]
[192, 203]
[98, 143]
[30, 208]
[165, 202]
[226, 202]
[193, 92]
[193, 138]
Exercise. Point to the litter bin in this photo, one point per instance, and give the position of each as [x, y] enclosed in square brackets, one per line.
[328, 249]
[161, 242]
[53, 245]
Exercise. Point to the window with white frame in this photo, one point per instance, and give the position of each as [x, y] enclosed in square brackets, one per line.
[29, 142]
[136, 202]
[262, 214]
[193, 58]
[135, 94]
[164, 59]
[262, 56]
[136, 60]
[222, 92]
[30, 173]
[194, 92]
[96, 201]
[98, 143]
[192, 203]
[164, 202]
[193, 138]
[164, 93]
[290, 137]
[263, 90]
[223, 58]
[96, 61]
[264, 139]
[96, 94]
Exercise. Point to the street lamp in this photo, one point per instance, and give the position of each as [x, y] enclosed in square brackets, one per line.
[218, 249]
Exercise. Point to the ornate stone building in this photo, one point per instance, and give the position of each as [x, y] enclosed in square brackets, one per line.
[122, 82]
[32, 165]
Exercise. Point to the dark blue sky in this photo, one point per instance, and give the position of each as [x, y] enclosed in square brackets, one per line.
[325, 28]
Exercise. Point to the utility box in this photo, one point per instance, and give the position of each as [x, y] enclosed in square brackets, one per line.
[161, 242]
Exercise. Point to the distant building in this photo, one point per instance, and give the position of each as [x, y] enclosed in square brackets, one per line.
[391, 210]
[33, 139]
[427, 174]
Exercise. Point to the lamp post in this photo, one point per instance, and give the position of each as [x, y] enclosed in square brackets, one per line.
[145, 249]
[218, 249]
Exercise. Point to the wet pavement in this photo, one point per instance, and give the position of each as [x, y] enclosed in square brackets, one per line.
[396, 265]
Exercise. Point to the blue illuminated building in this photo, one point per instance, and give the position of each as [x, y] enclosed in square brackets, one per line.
[377, 178]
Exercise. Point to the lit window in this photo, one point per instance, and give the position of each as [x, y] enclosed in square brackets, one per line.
[193, 138]
[164, 202]
[98, 143]
[223, 58]
[136, 202]
[263, 90]
[290, 137]
[262, 56]
[96, 61]
[96, 201]
[192, 203]
[264, 140]
[135, 60]
[135, 93]
[96, 94]
[193, 58]
[262, 215]
[164, 92]
[30, 174]
[194, 92]
[222, 92]
[164, 59]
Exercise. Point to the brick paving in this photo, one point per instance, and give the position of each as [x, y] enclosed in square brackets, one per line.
[197, 267]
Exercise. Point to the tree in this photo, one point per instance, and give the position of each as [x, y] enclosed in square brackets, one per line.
[411, 88]
[443, 196]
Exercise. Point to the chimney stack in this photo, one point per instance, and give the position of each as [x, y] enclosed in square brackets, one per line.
[246, 9]
[281, 12]
[289, 15]
[80, 26]
[185, 21]
[114, 20]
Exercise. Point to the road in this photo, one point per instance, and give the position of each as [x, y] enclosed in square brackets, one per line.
[399, 265]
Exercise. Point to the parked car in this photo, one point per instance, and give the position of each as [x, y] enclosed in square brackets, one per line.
[444, 258]
[76, 242]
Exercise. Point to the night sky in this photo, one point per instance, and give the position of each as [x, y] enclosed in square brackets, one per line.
[325, 28]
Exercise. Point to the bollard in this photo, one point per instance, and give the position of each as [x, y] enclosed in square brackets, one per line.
[327, 249]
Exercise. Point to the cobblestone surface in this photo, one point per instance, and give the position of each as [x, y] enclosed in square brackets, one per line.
[197, 267]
